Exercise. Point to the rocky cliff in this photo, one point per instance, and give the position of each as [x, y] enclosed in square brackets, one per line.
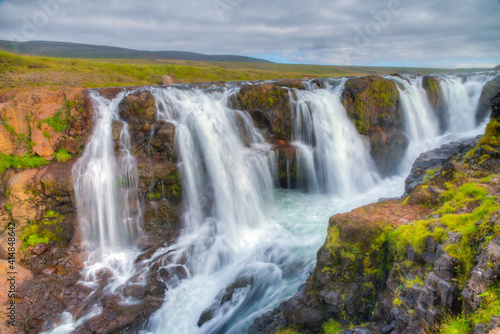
[425, 263]
[44, 130]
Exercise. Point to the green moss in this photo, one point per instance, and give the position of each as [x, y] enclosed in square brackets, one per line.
[382, 93]
[458, 199]
[154, 196]
[8, 206]
[36, 233]
[26, 161]
[62, 156]
[58, 122]
[361, 125]
[455, 325]
[413, 235]
[490, 306]
[332, 327]
[288, 331]
[397, 301]
[46, 134]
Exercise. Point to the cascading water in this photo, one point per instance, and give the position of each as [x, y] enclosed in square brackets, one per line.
[328, 143]
[246, 246]
[461, 96]
[109, 211]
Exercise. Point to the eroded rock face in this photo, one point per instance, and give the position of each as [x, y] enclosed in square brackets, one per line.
[490, 89]
[269, 106]
[45, 120]
[435, 96]
[372, 102]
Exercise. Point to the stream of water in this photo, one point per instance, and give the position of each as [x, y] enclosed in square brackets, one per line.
[240, 230]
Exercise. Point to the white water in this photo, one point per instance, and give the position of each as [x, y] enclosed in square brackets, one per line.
[329, 145]
[238, 227]
[461, 96]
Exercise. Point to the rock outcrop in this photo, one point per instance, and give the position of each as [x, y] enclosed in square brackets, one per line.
[373, 104]
[490, 89]
[435, 96]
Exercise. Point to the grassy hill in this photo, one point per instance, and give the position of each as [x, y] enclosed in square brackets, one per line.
[33, 71]
[76, 50]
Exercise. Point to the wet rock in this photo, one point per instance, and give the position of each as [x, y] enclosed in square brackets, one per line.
[435, 96]
[372, 102]
[269, 106]
[40, 248]
[490, 89]
[138, 107]
[224, 296]
[495, 107]
[428, 163]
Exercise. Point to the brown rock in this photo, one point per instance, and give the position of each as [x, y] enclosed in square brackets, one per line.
[372, 101]
[22, 201]
[7, 141]
[40, 248]
[166, 80]
[22, 275]
[42, 145]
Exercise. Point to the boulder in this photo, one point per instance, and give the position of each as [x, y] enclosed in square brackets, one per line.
[372, 102]
[166, 80]
[490, 89]
[435, 96]
[269, 106]
[495, 107]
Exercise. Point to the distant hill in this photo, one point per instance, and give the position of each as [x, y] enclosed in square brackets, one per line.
[497, 68]
[75, 50]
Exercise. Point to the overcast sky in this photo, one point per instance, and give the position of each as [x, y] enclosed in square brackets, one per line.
[424, 33]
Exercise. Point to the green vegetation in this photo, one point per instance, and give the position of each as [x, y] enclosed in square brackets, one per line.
[490, 306]
[41, 71]
[62, 156]
[455, 325]
[26, 161]
[57, 122]
[288, 331]
[332, 327]
[382, 93]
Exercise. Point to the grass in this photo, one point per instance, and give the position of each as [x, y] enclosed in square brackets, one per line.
[20, 70]
[455, 325]
[62, 156]
[24, 162]
[332, 327]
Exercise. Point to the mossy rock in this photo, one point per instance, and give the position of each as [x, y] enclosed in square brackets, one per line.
[52, 229]
[372, 102]
[138, 107]
[490, 89]
[269, 107]
[435, 97]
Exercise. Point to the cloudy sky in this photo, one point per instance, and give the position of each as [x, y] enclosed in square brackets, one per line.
[425, 33]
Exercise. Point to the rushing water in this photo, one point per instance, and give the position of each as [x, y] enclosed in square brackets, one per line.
[240, 231]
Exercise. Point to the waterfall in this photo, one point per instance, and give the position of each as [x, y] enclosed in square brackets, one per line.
[246, 245]
[331, 155]
[461, 96]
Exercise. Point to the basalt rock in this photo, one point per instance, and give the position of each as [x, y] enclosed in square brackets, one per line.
[435, 96]
[269, 106]
[372, 102]
[429, 163]
[490, 89]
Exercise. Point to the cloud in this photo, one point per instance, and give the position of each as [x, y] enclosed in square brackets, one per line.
[426, 33]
